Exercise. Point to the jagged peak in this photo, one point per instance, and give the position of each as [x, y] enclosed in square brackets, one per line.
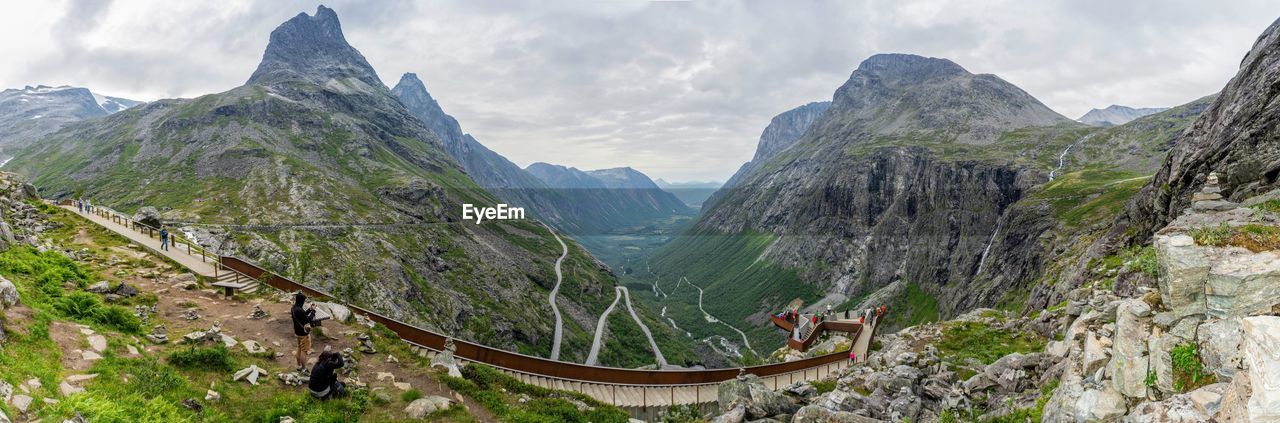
[312, 47]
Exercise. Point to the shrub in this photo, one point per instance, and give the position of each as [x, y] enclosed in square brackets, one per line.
[962, 340]
[1142, 259]
[410, 395]
[1256, 238]
[824, 386]
[86, 306]
[213, 358]
[1188, 372]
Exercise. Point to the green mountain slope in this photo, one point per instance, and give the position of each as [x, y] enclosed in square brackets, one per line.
[316, 170]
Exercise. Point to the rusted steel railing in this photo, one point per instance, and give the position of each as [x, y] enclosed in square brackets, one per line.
[536, 365]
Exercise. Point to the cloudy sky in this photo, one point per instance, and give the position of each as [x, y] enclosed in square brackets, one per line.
[679, 90]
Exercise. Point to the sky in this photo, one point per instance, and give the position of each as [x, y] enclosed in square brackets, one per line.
[678, 90]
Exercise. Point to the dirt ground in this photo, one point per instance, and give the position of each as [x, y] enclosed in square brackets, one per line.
[274, 332]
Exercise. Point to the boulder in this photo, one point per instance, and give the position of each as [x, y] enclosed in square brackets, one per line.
[1095, 355]
[421, 407]
[148, 216]
[841, 400]
[8, 294]
[759, 400]
[1220, 345]
[737, 414]
[1243, 284]
[816, 414]
[99, 288]
[1262, 352]
[801, 389]
[1129, 360]
[446, 361]
[337, 312]
[1159, 345]
[21, 402]
[1184, 266]
[1100, 405]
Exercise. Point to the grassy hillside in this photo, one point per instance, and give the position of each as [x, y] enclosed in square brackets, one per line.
[48, 330]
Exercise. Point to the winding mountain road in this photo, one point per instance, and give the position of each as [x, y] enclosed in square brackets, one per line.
[559, 333]
[593, 359]
[657, 353]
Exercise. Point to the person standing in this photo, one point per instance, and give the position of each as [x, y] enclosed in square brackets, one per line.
[303, 319]
[853, 357]
[164, 237]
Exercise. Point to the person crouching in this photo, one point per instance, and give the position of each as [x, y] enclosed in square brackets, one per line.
[324, 382]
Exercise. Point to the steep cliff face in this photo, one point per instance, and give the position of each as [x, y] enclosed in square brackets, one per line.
[1235, 136]
[783, 131]
[960, 186]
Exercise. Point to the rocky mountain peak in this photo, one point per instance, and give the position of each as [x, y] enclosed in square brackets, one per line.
[312, 47]
[909, 67]
[787, 127]
[894, 94]
[414, 96]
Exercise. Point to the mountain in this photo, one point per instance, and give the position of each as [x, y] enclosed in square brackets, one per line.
[1116, 115]
[27, 114]
[489, 169]
[619, 194]
[616, 198]
[315, 169]
[922, 184]
[692, 193]
[783, 131]
[1234, 137]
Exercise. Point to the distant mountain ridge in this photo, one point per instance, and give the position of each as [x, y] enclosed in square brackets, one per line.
[1117, 115]
[577, 202]
[623, 193]
[28, 113]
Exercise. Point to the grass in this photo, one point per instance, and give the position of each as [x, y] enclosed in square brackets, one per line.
[497, 392]
[1254, 237]
[737, 284]
[410, 395]
[913, 307]
[1272, 206]
[1188, 371]
[217, 358]
[977, 340]
[824, 386]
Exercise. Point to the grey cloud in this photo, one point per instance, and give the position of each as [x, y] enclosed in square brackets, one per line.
[681, 90]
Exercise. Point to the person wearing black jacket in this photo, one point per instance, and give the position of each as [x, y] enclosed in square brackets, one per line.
[303, 319]
[324, 382]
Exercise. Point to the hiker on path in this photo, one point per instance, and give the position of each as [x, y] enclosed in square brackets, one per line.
[324, 383]
[853, 357]
[303, 319]
[164, 237]
[80, 205]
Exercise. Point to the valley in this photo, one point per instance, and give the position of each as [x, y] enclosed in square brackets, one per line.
[957, 247]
